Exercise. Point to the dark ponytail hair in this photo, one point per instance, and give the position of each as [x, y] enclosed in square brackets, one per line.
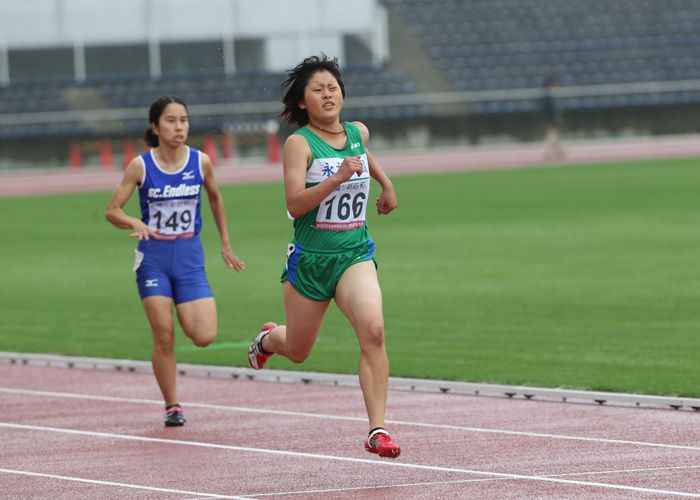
[154, 113]
[293, 87]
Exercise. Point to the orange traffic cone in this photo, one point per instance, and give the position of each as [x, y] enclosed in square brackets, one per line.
[76, 155]
[273, 148]
[106, 160]
[210, 148]
[129, 152]
[227, 146]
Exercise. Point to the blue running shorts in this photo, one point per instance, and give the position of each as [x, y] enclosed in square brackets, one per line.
[172, 269]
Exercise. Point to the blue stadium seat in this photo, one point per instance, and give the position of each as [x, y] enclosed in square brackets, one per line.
[591, 42]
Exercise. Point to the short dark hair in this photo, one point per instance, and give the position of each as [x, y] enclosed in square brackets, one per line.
[292, 89]
[154, 116]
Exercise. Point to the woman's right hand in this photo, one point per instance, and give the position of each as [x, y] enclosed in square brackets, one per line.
[142, 231]
[351, 165]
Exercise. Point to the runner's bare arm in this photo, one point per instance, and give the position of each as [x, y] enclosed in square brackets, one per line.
[386, 202]
[115, 209]
[216, 202]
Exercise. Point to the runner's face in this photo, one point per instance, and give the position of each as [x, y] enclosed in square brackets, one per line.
[173, 125]
[323, 98]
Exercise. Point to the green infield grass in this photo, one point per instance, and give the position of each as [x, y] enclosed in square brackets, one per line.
[581, 277]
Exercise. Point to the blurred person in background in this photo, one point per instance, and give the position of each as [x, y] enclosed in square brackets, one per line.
[169, 256]
[554, 121]
[327, 174]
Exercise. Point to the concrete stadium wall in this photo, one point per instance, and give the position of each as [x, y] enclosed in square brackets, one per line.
[291, 30]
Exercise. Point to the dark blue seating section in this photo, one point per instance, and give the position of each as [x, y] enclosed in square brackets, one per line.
[245, 88]
[204, 88]
[139, 91]
[28, 99]
[515, 44]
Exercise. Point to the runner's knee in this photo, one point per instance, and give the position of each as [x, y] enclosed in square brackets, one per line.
[203, 338]
[298, 357]
[297, 354]
[372, 334]
[163, 339]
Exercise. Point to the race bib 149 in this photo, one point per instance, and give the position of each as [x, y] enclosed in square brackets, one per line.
[173, 218]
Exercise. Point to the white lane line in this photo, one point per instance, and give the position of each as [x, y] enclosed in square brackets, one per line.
[207, 496]
[374, 463]
[470, 481]
[354, 419]
[120, 485]
[551, 436]
[72, 395]
[381, 487]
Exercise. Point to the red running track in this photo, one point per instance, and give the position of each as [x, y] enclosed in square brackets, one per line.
[13, 183]
[95, 434]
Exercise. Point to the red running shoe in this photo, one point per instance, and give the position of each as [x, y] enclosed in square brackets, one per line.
[380, 443]
[256, 356]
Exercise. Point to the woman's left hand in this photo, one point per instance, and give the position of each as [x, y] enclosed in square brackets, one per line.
[386, 202]
[231, 260]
